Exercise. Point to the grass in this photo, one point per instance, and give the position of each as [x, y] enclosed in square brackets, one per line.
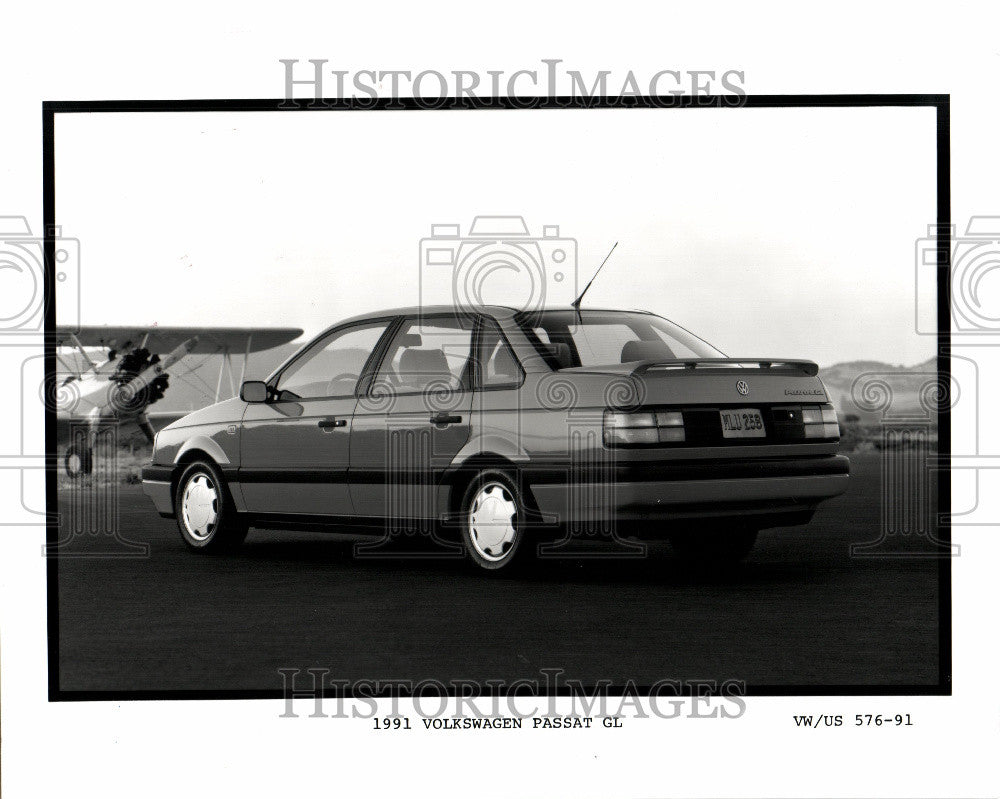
[858, 437]
[124, 467]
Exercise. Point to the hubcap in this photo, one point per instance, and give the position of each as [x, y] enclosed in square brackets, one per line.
[200, 507]
[491, 521]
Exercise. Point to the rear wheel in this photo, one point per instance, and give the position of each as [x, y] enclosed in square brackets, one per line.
[206, 516]
[492, 520]
[727, 545]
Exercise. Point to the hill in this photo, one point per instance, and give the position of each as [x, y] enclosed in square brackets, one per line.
[905, 382]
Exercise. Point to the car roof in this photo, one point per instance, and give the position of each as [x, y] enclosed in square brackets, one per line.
[496, 311]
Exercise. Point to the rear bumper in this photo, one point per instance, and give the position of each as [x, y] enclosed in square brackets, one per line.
[692, 490]
[157, 486]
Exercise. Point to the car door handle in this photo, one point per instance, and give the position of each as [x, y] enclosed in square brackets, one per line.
[445, 418]
[329, 424]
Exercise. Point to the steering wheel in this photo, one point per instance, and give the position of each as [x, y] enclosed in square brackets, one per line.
[342, 376]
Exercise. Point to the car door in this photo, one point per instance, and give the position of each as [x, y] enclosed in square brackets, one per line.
[412, 418]
[295, 448]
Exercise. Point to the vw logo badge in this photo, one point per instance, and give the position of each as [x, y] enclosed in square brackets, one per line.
[742, 387]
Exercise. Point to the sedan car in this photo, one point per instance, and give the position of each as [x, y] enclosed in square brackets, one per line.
[498, 428]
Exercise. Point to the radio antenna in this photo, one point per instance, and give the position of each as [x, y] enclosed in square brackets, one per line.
[578, 300]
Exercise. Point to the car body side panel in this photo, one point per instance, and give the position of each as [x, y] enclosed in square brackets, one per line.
[399, 457]
[214, 446]
[290, 463]
[496, 417]
[214, 429]
[671, 491]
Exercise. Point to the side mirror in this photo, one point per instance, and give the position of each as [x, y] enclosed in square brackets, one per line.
[254, 391]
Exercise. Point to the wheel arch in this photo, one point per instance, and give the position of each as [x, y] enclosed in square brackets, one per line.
[457, 478]
[190, 454]
[204, 446]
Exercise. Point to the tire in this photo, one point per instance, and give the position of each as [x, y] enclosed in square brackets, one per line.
[78, 461]
[493, 539]
[714, 546]
[206, 516]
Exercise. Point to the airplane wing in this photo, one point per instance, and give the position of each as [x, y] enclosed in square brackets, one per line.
[236, 340]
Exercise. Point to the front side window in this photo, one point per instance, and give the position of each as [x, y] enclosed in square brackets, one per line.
[428, 354]
[331, 367]
[601, 338]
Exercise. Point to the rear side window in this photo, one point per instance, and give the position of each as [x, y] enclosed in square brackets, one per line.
[429, 354]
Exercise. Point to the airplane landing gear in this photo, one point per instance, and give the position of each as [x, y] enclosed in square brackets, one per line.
[78, 461]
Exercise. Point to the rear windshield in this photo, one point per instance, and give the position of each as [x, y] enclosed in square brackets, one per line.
[600, 338]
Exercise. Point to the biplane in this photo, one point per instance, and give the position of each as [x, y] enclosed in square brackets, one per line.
[110, 376]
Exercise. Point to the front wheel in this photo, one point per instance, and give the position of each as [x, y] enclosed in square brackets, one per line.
[492, 520]
[206, 516]
[727, 546]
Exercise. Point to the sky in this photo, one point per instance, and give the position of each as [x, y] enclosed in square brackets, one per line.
[768, 232]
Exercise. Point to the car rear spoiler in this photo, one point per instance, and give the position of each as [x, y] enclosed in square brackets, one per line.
[806, 367]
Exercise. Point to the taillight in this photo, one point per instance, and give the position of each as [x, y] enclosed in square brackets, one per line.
[642, 429]
[820, 421]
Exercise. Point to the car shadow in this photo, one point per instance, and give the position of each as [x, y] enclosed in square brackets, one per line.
[414, 559]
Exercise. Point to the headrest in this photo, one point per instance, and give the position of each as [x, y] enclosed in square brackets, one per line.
[423, 363]
[645, 351]
[562, 354]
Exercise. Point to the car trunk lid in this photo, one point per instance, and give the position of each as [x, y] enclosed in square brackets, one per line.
[713, 381]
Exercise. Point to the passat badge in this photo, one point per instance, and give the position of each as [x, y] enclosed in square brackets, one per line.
[742, 387]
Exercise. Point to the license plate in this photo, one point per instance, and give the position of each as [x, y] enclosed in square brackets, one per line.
[742, 423]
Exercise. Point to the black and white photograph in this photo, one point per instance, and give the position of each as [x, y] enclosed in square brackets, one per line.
[525, 443]
[626, 410]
